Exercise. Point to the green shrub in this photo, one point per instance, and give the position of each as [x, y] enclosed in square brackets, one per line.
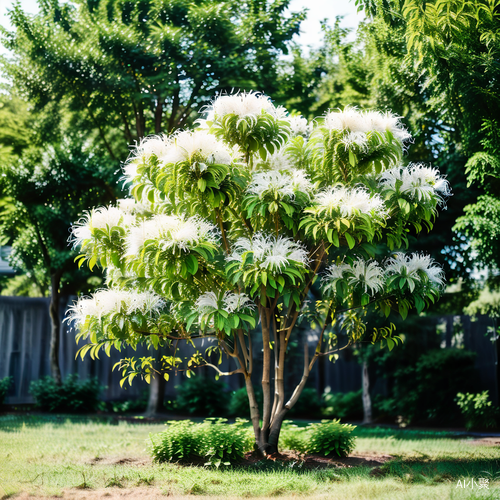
[215, 442]
[308, 405]
[203, 396]
[224, 443]
[179, 443]
[347, 405]
[239, 406]
[477, 410]
[5, 384]
[330, 437]
[293, 437]
[425, 390]
[327, 438]
[70, 396]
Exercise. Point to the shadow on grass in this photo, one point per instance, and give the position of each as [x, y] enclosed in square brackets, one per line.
[13, 423]
[405, 434]
[423, 470]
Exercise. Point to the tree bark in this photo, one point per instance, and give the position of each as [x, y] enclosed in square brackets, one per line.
[156, 388]
[266, 376]
[367, 402]
[55, 333]
[158, 114]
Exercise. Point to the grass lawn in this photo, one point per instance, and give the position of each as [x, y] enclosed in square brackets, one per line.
[87, 458]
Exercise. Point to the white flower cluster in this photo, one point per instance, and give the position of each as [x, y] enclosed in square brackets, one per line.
[300, 126]
[245, 104]
[283, 184]
[156, 145]
[413, 266]
[358, 139]
[99, 218]
[365, 274]
[105, 302]
[417, 181]
[349, 202]
[230, 302]
[187, 145]
[133, 207]
[170, 231]
[352, 120]
[279, 161]
[372, 278]
[270, 252]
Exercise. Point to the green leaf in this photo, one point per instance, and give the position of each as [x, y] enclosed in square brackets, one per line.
[191, 264]
[390, 344]
[350, 241]
[352, 158]
[92, 262]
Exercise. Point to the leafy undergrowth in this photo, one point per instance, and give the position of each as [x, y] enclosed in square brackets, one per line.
[82, 458]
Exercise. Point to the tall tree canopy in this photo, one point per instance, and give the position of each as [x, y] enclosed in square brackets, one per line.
[141, 67]
[452, 45]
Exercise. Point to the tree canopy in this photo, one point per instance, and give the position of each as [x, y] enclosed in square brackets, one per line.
[139, 67]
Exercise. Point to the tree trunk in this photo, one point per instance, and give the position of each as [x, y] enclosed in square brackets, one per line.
[267, 437]
[158, 114]
[55, 333]
[367, 402]
[156, 389]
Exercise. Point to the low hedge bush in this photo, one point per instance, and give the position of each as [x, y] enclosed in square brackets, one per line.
[330, 437]
[71, 396]
[5, 384]
[213, 442]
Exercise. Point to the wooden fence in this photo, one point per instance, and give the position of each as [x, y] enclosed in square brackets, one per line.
[25, 340]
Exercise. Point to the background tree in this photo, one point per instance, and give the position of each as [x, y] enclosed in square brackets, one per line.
[137, 68]
[451, 46]
[45, 191]
[235, 221]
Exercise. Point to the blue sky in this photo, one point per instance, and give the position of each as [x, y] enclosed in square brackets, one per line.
[310, 32]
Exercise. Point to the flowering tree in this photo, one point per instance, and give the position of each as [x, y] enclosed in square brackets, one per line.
[233, 223]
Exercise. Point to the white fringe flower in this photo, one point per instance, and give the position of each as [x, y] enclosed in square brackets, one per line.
[269, 252]
[368, 275]
[187, 145]
[417, 181]
[413, 266]
[349, 201]
[365, 274]
[300, 126]
[156, 145]
[279, 161]
[358, 139]
[282, 184]
[353, 120]
[98, 218]
[333, 274]
[242, 104]
[170, 231]
[132, 206]
[229, 302]
[104, 302]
